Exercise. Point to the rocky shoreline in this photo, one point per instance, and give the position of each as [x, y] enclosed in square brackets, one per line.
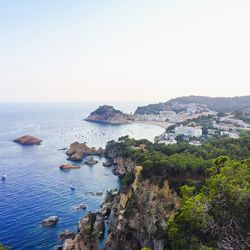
[133, 216]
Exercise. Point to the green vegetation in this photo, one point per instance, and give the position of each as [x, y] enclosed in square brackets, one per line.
[213, 181]
[219, 104]
[126, 181]
[242, 116]
[179, 163]
[217, 216]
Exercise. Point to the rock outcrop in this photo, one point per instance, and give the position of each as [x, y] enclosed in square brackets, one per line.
[90, 228]
[123, 166]
[90, 161]
[139, 219]
[78, 150]
[27, 140]
[107, 114]
[67, 235]
[79, 207]
[50, 222]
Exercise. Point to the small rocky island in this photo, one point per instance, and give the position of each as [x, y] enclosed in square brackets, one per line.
[50, 222]
[78, 150]
[28, 140]
[108, 114]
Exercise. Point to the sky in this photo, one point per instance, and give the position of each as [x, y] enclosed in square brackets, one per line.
[132, 50]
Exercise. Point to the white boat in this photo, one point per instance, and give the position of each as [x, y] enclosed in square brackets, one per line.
[72, 187]
[3, 177]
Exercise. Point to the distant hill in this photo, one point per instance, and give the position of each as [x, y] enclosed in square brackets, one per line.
[219, 104]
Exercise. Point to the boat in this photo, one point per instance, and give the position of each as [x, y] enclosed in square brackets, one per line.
[72, 187]
[3, 176]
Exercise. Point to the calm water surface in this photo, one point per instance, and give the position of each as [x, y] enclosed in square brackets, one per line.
[35, 188]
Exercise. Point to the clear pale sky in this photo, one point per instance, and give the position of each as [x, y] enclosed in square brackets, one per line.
[131, 50]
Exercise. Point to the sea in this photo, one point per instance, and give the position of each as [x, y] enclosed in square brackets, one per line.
[35, 188]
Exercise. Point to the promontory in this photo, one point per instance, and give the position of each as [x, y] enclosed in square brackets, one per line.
[108, 114]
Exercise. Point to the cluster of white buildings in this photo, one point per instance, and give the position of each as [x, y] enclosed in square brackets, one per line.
[191, 108]
[188, 131]
[163, 116]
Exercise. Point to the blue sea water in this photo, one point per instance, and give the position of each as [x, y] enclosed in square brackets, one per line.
[35, 188]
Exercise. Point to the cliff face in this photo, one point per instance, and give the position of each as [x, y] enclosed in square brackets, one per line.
[123, 166]
[136, 215]
[142, 213]
[90, 228]
[137, 218]
[107, 114]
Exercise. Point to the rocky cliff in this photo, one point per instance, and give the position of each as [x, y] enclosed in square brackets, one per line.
[107, 114]
[136, 215]
[139, 219]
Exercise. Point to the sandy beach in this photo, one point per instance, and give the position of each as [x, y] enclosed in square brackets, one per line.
[163, 125]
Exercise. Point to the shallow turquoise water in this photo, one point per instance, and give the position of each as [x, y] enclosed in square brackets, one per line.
[35, 188]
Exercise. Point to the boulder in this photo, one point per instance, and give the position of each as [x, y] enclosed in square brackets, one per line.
[79, 207]
[67, 235]
[50, 222]
[107, 164]
[28, 140]
[98, 193]
[69, 245]
[90, 161]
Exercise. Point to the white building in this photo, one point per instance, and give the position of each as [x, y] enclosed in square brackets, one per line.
[188, 131]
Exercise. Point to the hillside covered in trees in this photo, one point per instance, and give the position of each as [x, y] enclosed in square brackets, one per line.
[219, 104]
[212, 182]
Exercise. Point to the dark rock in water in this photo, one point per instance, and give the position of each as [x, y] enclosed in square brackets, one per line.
[107, 164]
[93, 194]
[62, 149]
[27, 140]
[79, 207]
[90, 161]
[98, 193]
[77, 151]
[67, 235]
[89, 194]
[107, 114]
[50, 222]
